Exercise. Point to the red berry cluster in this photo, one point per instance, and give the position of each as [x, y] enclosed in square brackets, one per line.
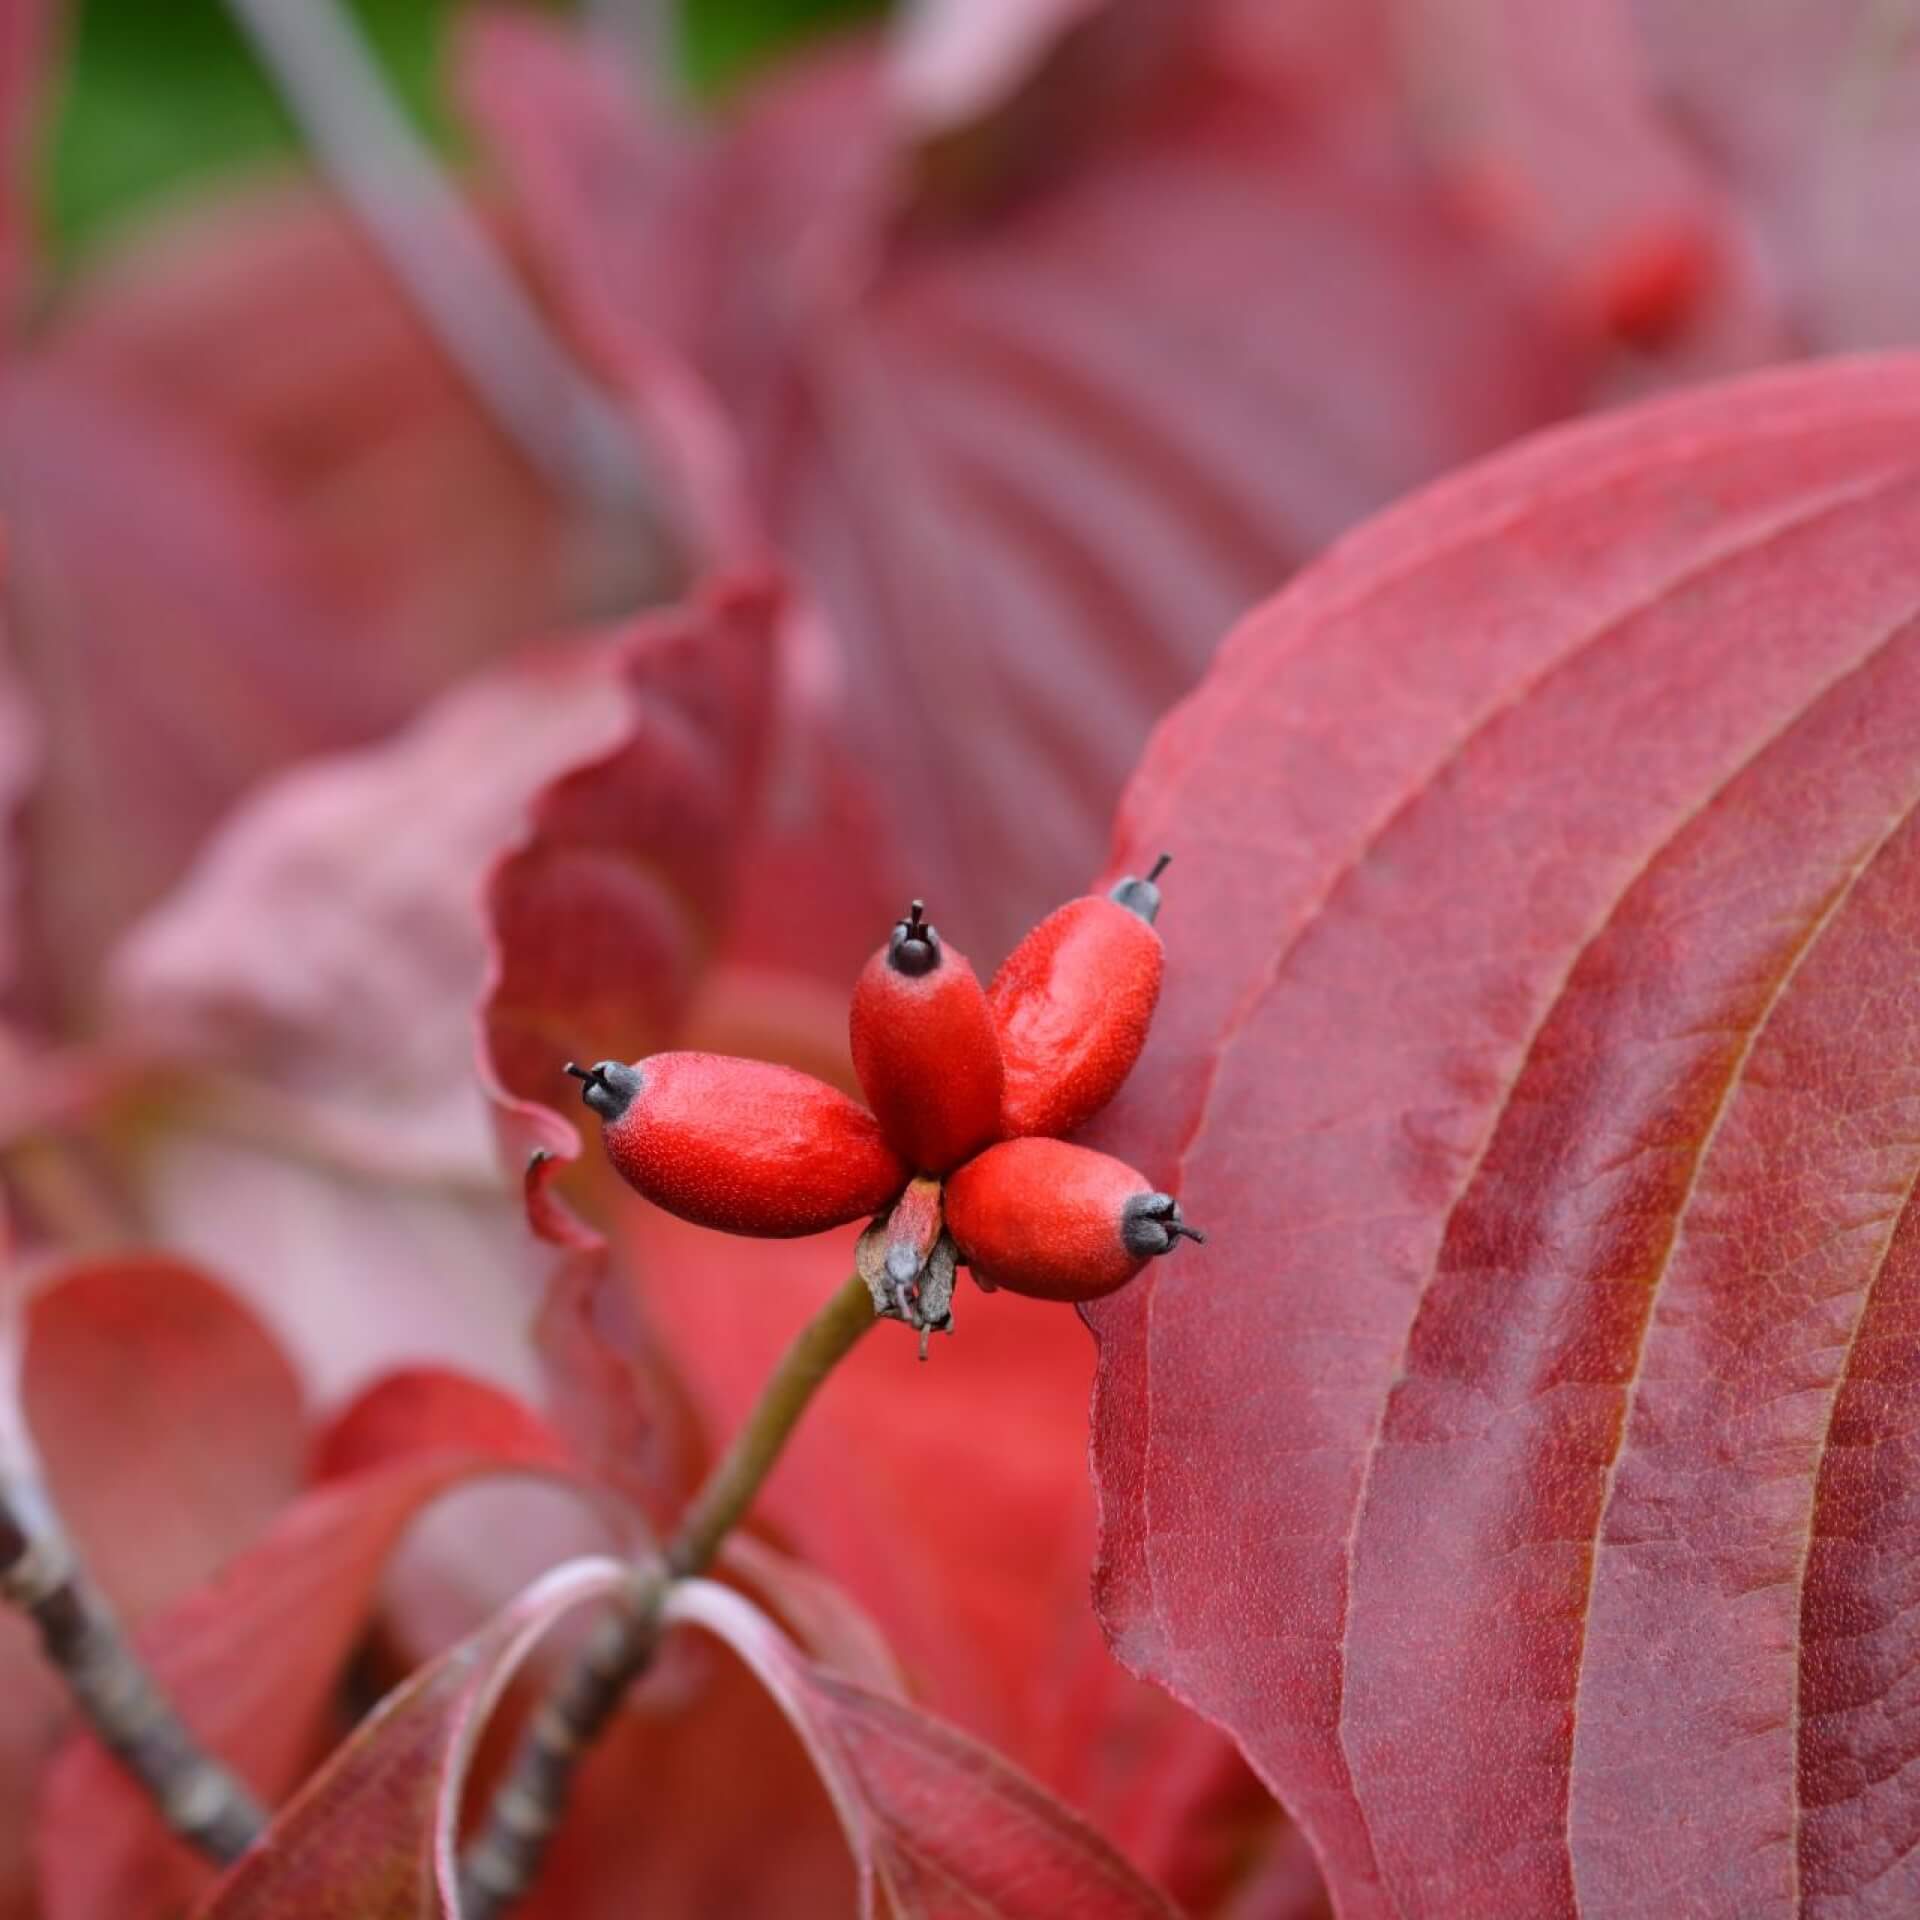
[960, 1159]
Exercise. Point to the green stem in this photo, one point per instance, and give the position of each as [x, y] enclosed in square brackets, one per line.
[820, 1346]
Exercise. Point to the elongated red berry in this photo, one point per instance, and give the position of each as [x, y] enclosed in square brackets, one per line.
[925, 1050]
[1072, 1005]
[741, 1145]
[1061, 1222]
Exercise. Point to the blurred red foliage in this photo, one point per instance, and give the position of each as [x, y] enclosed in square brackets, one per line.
[989, 369]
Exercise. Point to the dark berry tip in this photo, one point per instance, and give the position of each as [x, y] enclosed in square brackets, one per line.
[608, 1088]
[1150, 1224]
[914, 948]
[1142, 896]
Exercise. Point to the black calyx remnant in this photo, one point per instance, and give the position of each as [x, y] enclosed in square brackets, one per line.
[1142, 896]
[610, 1088]
[914, 948]
[1150, 1223]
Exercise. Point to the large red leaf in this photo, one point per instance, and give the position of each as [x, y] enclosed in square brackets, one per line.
[252, 1659]
[1522, 1470]
[1030, 464]
[171, 1430]
[942, 1824]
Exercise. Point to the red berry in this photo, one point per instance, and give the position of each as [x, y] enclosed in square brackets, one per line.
[742, 1145]
[1061, 1222]
[1072, 1004]
[924, 1048]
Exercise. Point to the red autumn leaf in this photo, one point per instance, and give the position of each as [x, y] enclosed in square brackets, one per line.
[612, 1387]
[252, 1659]
[313, 981]
[355, 1267]
[645, 1831]
[696, 1800]
[1522, 1470]
[169, 1423]
[130, 536]
[824, 1618]
[320, 961]
[423, 1410]
[170, 1429]
[261, 318]
[600, 921]
[324, 1139]
[1030, 465]
[939, 1822]
[314, 542]
[373, 1832]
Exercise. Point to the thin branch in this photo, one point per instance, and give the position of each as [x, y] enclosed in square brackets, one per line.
[443, 257]
[503, 1861]
[41, 1574]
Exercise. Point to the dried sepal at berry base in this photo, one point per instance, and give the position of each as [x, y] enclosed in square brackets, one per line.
[959, 1161]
